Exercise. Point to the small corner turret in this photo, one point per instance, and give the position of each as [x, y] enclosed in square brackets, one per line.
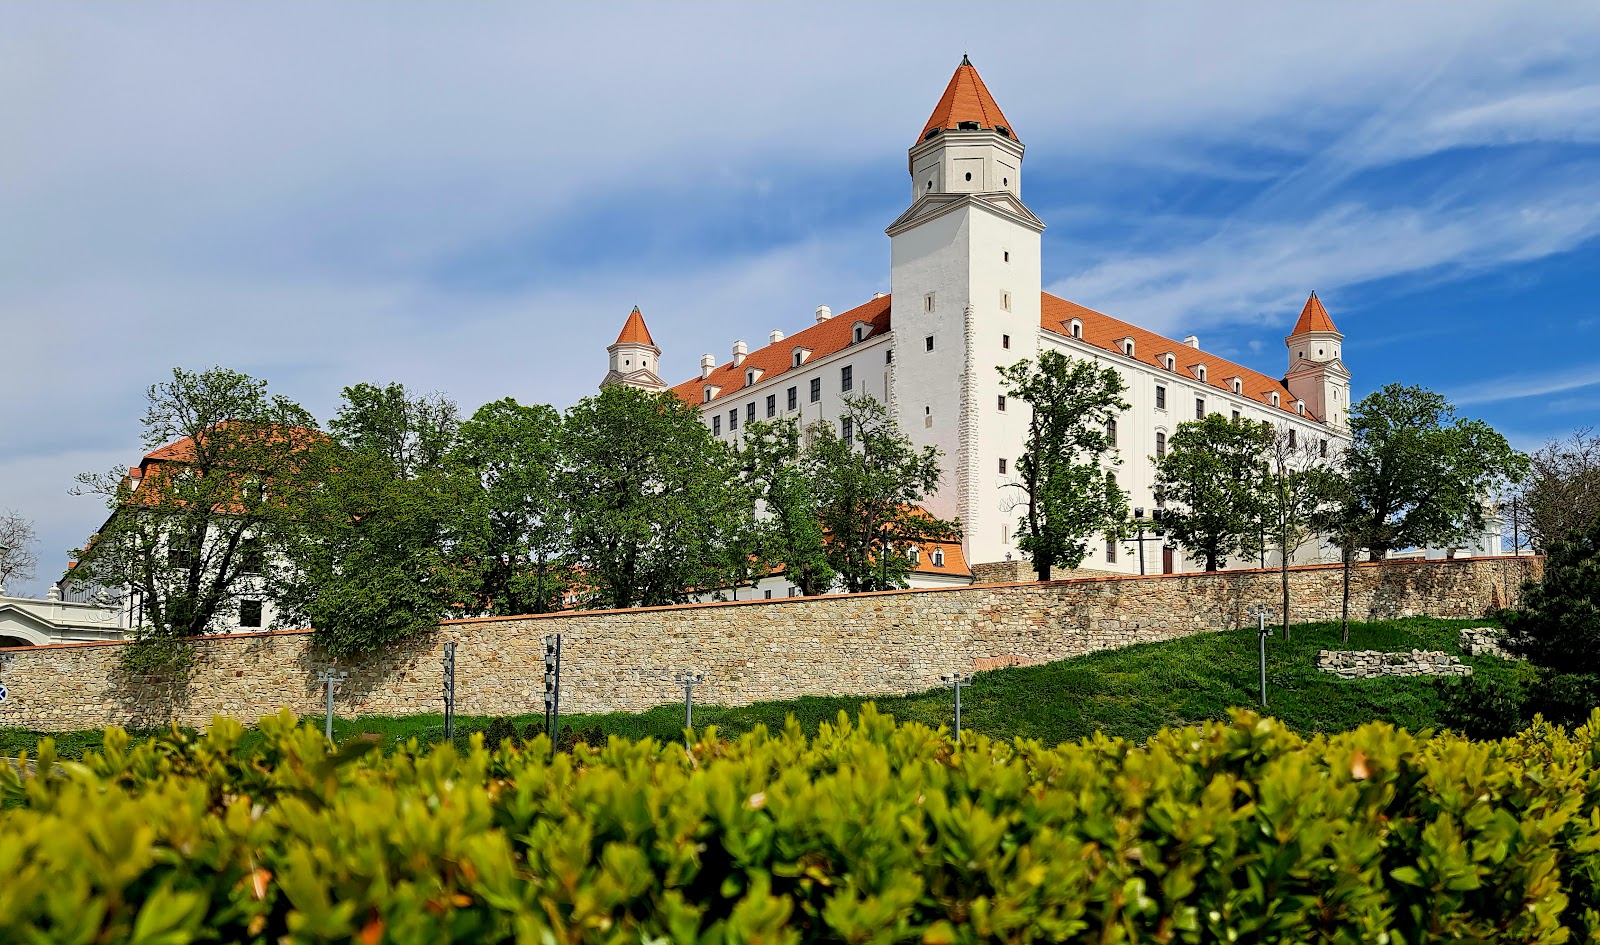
[1317, 374]
[634, 357]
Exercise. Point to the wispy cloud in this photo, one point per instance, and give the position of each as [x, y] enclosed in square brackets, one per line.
[1523, 385]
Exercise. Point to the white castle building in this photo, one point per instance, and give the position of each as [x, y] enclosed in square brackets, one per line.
[966, 296]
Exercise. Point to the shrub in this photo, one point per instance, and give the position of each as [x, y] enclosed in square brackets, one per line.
[1481, 707]
[873, 832]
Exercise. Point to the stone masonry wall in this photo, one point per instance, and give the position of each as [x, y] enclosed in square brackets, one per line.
[866, 644]
[1370, 664]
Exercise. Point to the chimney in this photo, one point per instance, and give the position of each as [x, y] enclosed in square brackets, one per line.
[774, 336]
[740, 349]
[1192, 341]
[823, 313]
[877, 295]
[707, 365]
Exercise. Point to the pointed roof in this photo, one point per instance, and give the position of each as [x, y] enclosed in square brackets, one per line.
[966, 99]
[1313, 318]
[634, 331]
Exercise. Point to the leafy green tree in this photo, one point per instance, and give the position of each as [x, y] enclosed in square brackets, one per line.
[1214, 470]
[1063, 476]
[204, 522]
[1418, 475]
[789, 528]
[383, 537]
[870, 481]
[1298, 488]
[1557, 629]
[658, 507]
[514, 450]
[1561, 495]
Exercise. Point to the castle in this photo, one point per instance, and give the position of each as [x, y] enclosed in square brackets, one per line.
[965, 297]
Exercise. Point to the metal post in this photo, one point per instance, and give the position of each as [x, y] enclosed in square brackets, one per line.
[450, 691]
[329, 679]
[552, 687]
[689, 680]
[1262, 613]
[956, 681]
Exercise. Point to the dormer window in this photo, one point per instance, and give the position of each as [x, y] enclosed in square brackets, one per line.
[711, 393]
[967, 126]
[1127, 347]
[1003, 131]
[1170, 361]
[800, 356]
[751, 375]
[932, 133]
[1275, 402]
[1300, 407]
[915, 554]
[1238, 385]
[1077, 328]
[1200, 372]
[938, 557]
[862, 331]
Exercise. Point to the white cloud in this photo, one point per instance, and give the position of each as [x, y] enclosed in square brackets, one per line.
[1522, 385]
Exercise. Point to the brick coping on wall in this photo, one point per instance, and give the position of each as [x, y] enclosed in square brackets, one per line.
[1102, 579]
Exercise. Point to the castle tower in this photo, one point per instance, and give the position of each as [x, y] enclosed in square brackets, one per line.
[965, 283]
[634, 357]
[1317, 374]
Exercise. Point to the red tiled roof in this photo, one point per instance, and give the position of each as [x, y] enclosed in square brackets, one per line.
[821, 339]
[966, 98]
[1055, 315]
[1106, 332]
[634, 331]
[1313, 317]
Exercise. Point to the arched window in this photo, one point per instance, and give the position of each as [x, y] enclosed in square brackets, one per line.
[938, 557]
[1077, 328]
[1161, 444]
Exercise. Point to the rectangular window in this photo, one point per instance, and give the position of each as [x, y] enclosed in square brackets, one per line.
[1236, 416]
[769, 595]
[929, 342]
[794, 592]
[1199, 408]
[847, 378]
[1292, 440]
[716, 425]
[772, 405]
[1002, 402]
[1005, 342]
[1322, 448]
[794, 397]
[847, 430]
[733, 419]
[1005, 301]
[888, 356]
[1111, 432]
[252, 556]
[816, 389]
[1161, 444]
[927, 302]
[1161, 397]
[249, 613]
[1002, 466]
[1111, 550]
[750, 412]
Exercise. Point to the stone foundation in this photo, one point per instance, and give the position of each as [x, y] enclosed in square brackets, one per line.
[1370, 664]
[885, 643]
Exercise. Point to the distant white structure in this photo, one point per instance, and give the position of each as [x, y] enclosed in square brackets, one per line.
[30, 622]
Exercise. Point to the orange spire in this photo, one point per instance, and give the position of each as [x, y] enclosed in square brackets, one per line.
[634, 332]
[1313, 317]
[967, 99]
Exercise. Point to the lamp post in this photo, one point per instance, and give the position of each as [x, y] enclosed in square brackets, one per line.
[688, 681]
[956, 681]
[450, 691]
[1262, 613]
[329, 679]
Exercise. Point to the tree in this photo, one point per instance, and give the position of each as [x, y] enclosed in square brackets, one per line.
[1561, 495]
[1066, 488]
[1557, 629]
[1214, 470]
[658, 507]
[789, 530]
[17, 538]
[1416, 474]
[871, 481]
[515, 452]
[203, 521]
[383, 537]
[1297, 489]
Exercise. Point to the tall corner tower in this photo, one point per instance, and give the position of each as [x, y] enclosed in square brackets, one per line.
[634, 357]
[1317, 374]
[965, 282]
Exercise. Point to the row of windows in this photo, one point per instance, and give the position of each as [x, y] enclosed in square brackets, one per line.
[791, 399]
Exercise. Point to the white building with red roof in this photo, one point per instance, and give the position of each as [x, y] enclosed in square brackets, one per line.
[966, 297]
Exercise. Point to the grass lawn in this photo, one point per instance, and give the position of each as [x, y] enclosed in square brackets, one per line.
[1130, 692]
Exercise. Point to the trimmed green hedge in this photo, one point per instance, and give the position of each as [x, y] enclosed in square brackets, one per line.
[870, 832]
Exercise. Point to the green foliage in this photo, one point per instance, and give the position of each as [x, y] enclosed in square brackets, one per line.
[206, 524]
[382, 537]
[789, 533]
[1214, 470]
[1415, 474]
[1557, 628]
[156, 656]
[869, 487]
[1480, 707]
[1561, 495]
[869, 832]
[658, 507]
[1064, 484]
[515, 452]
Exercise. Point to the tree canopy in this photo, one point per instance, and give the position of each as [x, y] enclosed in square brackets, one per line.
[788, 527]
[1213, 471]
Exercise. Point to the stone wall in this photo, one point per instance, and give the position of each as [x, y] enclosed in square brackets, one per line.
[1484, 641]
[865, 644]
[1370, 664]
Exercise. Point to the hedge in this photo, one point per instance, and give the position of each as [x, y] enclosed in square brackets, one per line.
[872, 832]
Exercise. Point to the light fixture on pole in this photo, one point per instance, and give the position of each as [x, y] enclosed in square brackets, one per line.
[1262, 613]
[688, 681]
[956, 681]
[330, 679]
[450, 690]
[552, 688]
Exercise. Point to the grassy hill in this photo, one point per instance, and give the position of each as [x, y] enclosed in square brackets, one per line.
[1130, 692]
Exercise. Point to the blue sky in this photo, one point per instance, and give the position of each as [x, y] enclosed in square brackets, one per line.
[470, 199]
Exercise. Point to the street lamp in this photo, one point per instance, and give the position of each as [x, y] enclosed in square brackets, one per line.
[956, 681]
[688, 681]
[1262, 613]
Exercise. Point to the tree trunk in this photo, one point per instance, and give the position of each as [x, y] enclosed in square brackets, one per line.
[1344, 604]
[1042, 569]
[1283, 571]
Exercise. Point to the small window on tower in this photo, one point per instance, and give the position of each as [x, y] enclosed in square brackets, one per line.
[627, 364]
[967, 126]
[1002, 466]
[930, 185]
[929, 342]
[927, 302]
[1002, 402]
[1005, 301]
[969, 175]
[1005, 341]
[1007, 255]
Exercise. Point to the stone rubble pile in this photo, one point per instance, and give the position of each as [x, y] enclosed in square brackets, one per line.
[1484, 641]
[1370, 664]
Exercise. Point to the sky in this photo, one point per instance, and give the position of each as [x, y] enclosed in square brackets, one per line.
[470, 198]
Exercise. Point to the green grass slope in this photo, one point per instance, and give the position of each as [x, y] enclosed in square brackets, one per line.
[1131, 692]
